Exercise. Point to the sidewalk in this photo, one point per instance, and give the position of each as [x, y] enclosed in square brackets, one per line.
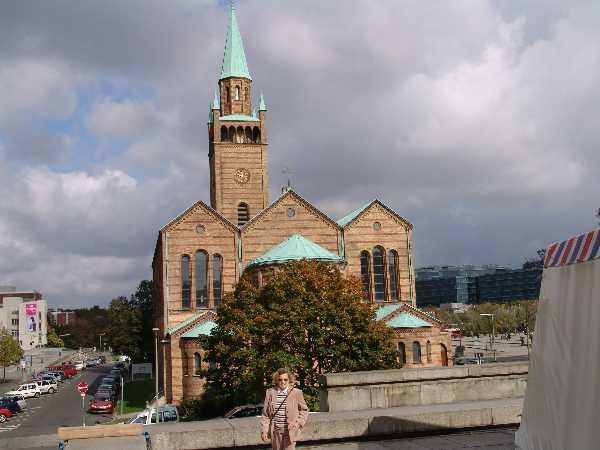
[41, 358]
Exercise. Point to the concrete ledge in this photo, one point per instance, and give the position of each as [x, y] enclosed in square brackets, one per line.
[349, 425]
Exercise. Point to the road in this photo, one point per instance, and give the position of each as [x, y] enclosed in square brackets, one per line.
[45, 414]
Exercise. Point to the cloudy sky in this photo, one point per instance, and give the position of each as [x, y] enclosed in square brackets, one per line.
[477, 120]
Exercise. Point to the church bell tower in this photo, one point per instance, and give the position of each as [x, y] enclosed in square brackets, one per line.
[237, 138]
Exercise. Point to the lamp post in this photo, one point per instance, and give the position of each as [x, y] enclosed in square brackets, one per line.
[493, 332]
[60, 336]
[156, 330]
[100, 336]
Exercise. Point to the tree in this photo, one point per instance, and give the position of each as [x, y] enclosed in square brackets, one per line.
[53, 339]
[124, 328]
[142, 299]
[10, 351]
[307, 318]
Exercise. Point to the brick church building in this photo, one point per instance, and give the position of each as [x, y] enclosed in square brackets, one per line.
[202, 253]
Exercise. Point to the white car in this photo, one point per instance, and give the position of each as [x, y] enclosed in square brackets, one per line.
[79, 365]
[167, 413]
[27, 390]
[47, 387]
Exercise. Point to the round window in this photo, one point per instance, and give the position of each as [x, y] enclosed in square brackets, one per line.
[377, 226]
[291, 212]
[200, 229]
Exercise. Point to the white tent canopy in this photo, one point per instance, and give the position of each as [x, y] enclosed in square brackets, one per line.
[563, 389]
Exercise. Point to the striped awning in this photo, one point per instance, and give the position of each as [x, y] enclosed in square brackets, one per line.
[584, 247]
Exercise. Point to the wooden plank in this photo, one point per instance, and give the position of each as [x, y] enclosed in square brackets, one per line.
[100, 431]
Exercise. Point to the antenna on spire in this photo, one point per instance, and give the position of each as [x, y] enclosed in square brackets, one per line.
[287, 171]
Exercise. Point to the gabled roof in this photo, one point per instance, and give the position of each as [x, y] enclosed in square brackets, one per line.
[289, 192]
[204, 329]
[406, 320]
[208, 209]
[354, 214]
[234, 58]
[386, 310]
[192, 323]
[295, 248]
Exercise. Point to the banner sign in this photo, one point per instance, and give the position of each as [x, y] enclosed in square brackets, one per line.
[30, 309]
[141, 370]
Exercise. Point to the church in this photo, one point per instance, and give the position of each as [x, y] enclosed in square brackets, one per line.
[201, 254]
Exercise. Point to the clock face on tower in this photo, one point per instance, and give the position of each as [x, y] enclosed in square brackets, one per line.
[241, 176]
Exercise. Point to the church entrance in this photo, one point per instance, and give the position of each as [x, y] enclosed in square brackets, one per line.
[444, 355]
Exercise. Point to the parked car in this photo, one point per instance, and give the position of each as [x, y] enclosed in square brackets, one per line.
[108, 388]
[79, 365]
[19, 399]
[4, 414]
[244, 411]
[167, 413]
[102, 402]
[27, 390]
[11, 404]
[115, 381]
[53, 375]
[91, 363]
[69, 370]
[47, 386]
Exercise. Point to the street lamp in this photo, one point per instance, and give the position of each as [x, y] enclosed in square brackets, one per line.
[493, 332]
[100, 336]
[60, 336]
[156, 330]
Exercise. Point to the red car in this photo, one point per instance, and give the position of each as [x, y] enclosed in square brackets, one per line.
[4, 414]
[102, 403]
[67, 370]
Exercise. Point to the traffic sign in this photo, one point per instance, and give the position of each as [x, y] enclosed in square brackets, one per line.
[82, 388]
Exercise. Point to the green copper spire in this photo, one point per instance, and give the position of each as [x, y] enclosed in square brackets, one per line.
[234, 59]
[216, 104]
[262, 106]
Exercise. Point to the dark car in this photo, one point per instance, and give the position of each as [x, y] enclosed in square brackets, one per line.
[102, 402]
[107, 388]
[245, 411]
[11, 404]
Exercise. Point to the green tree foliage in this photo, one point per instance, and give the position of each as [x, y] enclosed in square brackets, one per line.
[308, 318]
[53, 339]
[125, 328]
[10, 351]
[142, 300]
[86, 328]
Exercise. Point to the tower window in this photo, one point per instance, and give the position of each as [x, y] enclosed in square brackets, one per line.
[245, 94]
[393, 274]
[379, 273]
[223, 133]
[228, 94]
[201, 276]
[217, 279]
[185, 282]
[237, 93]
[243, 214]
[365, 274]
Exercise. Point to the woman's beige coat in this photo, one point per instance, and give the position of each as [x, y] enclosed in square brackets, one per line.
[295, 408]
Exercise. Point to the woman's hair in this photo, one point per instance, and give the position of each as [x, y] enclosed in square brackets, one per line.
[281, 371]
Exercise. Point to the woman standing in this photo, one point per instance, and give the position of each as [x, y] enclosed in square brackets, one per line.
[284, 412]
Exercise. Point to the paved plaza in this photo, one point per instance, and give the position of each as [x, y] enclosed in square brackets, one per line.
[492, 439]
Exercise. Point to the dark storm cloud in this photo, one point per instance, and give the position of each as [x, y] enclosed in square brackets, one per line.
[477, 121]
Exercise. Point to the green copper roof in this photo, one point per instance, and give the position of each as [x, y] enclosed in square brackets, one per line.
[240, 118]
[406, 320]
[204, 329]
[262, 106]
[234, 58]
[186, 322]
[295, 248]
[342, 222]
[386, 311]
[216, 104]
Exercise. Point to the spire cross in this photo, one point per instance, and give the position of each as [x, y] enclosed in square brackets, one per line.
[287, 171]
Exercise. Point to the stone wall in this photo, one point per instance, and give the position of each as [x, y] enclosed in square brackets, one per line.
[411, 387]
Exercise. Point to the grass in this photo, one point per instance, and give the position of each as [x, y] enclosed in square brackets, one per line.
[136, 394]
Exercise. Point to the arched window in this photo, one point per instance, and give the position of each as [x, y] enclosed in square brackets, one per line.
[197, 363]
[444, 354]
[223, 133]
[237, 93]
[246, 94]
[248, 135]
[185, 282]
[228, 94]
[379, 273]
[217, 279]
[393, 274]
[428, 348]
[231, 134]
[243, 214]
[401, 353]
[365, 275]
[239, 135]
[416, 348]
[256, 135]
[201, 279]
